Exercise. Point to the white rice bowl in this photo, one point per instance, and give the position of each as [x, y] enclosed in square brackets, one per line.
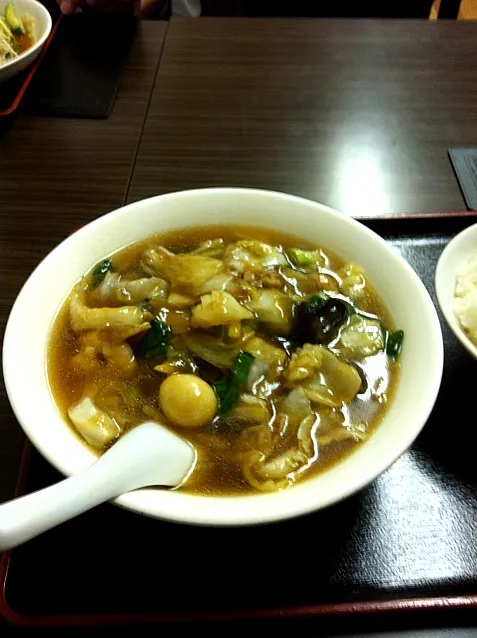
[465, 301]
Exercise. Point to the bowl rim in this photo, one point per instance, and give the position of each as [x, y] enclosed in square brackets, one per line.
[40, 41]
[453, 247]
[227, 515]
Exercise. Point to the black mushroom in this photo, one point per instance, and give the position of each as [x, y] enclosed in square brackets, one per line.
[320, 319]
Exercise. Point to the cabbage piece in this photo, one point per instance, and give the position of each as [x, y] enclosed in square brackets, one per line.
[253, 256]
[276, 460]
[218, 309]
[274, 309]
[305, 284]
[210, 248]
[275, 454]
[306, 437]
[84, 318]
[269, 279]
[258, 370]
[250, 410]
[211, 348]
[332, 428]
[234, 331]
[304, 364]
[176, 300]
[218, 282]
[324, 377]
[278, 454]
[5, 31]
[114, 290]
[186, 273]
[6, 48]
[362, 337]
[336, 383]
[353, 282]
[270, 475]
[295, 406]
[109, 345]
[94, 425]
[274, 356]
[29, 25]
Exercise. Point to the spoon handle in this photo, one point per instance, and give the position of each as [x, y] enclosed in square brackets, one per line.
[149, 454]
[29, 516]
[126, 466]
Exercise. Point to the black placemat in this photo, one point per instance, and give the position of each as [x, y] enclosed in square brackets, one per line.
[464, 161]
[10, 89]
[411, 533]
[83, 68]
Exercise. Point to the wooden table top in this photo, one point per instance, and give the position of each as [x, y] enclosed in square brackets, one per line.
[355, 114]
[56, 175]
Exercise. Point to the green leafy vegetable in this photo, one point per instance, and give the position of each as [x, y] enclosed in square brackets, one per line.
[99, 272]
[301, 257]
[228, 390]
[156, 339]
[394, 343]
[13, 19]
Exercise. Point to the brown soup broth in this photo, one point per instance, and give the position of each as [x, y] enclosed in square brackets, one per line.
[218, 471]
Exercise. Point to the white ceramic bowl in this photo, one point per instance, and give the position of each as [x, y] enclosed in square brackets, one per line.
[454, 255]
[42, 31]
[25, 344]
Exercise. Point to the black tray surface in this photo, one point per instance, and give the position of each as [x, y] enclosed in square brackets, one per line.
[411, 533]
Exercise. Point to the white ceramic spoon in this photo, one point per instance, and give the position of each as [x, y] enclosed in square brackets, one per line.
[150, 454]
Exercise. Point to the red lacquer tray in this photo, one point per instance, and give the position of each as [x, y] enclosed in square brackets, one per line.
[405, 547]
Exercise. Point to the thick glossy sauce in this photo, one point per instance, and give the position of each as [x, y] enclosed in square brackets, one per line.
[218, 471]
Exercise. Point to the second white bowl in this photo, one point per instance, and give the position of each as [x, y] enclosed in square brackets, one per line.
[42, 30]
[455, 254]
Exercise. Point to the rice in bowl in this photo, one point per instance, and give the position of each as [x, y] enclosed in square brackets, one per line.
[465, 300]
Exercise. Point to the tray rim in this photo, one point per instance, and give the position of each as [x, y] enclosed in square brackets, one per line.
[369, 608]
[445, 214]
[31, 72]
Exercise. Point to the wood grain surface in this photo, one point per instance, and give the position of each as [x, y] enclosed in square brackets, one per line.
[56, 175]
[356, 114]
